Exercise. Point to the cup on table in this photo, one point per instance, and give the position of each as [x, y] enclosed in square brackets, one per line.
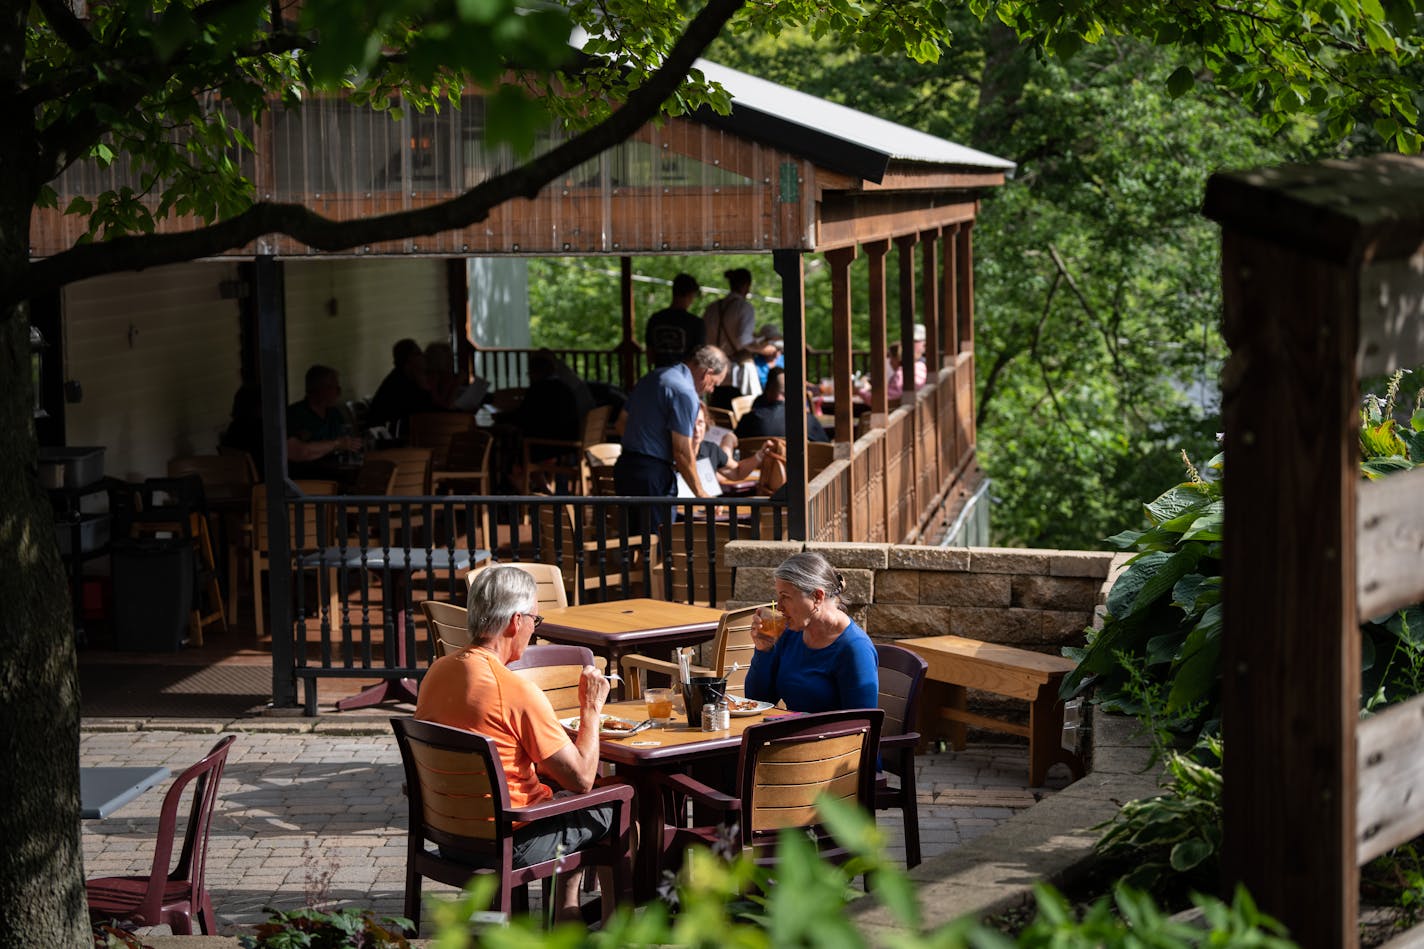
[770, 621]
[659, 705]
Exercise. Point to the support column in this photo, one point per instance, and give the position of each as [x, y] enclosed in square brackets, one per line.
[949, 312]
[840, 261]
[272, 368]
[929, 241]
[905, 246]
[875, 252]
[628, 347]
[790, 266]
[965, 265]
[457, 306]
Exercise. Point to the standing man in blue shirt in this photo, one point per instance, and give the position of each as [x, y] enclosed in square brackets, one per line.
[657, 427]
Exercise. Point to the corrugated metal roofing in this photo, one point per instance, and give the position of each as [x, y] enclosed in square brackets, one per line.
[825, 130]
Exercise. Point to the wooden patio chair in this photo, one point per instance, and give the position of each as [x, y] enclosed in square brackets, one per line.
[170, 895]
[603, 454]
[690, 580]
[741, 405]
[819, 456]
[317, 529]
[571, 461]
[548, 580]
[783, 767]
[722, 418]
[459, 802]
[731, 646]
[584, 563]
[902, 673]
[436, 430]
[413, 479]
[227, 479]
[556, 669]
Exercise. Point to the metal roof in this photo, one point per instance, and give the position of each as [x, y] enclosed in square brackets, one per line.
[832, 135]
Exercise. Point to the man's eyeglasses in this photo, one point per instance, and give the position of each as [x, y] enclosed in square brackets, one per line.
[535, 617]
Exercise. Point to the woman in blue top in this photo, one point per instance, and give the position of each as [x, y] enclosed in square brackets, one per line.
[824, 661]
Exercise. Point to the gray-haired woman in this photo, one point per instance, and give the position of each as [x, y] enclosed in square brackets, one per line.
[824, 661]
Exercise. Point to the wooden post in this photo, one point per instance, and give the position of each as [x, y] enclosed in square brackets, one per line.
[949, 313]
[964, 264]
[1290, 637]
[628, 347]
[929, 241]
[272, 362]
[875, 252]
[840, 261]
[457, 306]
[905, 245]
[791, 267]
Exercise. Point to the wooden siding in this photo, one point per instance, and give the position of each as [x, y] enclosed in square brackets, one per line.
[158, 356]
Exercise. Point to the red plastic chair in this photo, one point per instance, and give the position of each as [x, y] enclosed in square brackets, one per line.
[164, 896]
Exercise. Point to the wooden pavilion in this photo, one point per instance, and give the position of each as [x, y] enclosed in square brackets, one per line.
[784, 173]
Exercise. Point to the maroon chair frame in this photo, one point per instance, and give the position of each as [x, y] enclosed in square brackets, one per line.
[492, 852]
[902, 673]
[173, 896]
[740, 813]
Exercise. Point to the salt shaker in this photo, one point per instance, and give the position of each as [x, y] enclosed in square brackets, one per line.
[723, 714]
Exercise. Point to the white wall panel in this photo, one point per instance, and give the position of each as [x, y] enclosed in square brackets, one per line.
[348, 313]
[158, 355]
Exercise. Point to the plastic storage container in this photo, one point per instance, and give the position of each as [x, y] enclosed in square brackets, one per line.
[153, 593]
[70, 467]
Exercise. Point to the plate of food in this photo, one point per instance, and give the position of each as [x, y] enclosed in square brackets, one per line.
[610, 726]
[740, 707]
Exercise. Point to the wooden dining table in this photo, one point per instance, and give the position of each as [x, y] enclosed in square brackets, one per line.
[675, 747]
[615, 628]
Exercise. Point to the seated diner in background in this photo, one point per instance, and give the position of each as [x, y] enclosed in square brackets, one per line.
[473, 689]
[823, 661]
[316, 430]
[768, 414]
[895, 377]
[728, 472]
[404, 392]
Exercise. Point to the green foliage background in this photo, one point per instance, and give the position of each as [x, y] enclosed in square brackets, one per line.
[1096, 278]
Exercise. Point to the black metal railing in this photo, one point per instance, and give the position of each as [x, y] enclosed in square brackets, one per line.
[361, 565]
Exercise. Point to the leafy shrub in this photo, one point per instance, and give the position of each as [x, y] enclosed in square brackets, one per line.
[347, 928]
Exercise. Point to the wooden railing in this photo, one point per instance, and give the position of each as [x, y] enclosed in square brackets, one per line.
[505, 368]
[890, 487]
[345, 549]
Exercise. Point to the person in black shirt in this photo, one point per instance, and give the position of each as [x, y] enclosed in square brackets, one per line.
[768, 414]
[403, 392]
[673, 333]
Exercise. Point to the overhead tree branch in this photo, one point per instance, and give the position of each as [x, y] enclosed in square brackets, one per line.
[322, 233]
[65, 24]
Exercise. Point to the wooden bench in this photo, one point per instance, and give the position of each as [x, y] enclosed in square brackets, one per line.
[957, 664]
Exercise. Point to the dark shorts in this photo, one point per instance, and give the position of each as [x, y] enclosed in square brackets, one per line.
[546, 839]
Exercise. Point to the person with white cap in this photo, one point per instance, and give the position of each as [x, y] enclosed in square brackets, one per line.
[895, 374]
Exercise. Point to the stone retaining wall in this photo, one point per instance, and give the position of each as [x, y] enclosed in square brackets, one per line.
[1033, 599]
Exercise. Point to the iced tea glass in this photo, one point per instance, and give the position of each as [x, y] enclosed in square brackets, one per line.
[659, 705]
[770, 621]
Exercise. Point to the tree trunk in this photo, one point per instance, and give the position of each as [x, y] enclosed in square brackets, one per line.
[41, 865]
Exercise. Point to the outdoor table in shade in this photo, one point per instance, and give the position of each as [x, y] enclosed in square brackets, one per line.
[400, 563]
[103, 790]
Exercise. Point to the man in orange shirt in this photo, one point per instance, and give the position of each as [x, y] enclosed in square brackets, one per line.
[472, 689]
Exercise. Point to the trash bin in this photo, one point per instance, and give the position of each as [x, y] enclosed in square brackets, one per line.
[153, 592]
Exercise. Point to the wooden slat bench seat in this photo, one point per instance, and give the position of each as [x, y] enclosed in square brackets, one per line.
[957, 664]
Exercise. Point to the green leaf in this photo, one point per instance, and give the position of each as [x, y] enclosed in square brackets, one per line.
[1180, 82]
[1189, 854]
[1176, 566]
[1124, 592]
